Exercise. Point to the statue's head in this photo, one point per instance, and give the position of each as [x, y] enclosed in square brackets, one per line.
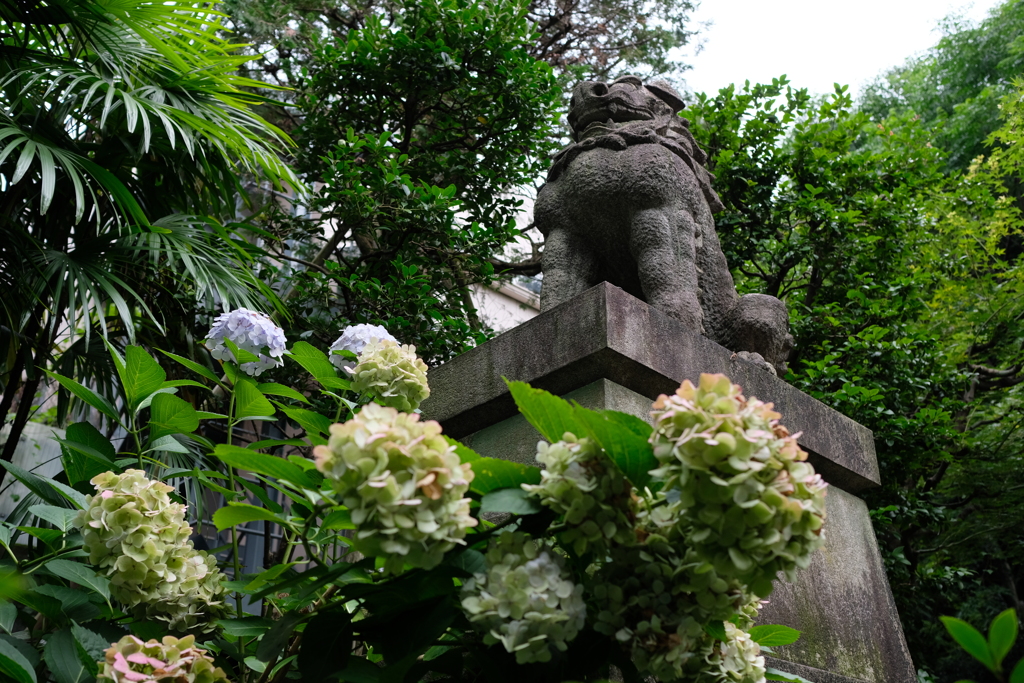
[599, 108]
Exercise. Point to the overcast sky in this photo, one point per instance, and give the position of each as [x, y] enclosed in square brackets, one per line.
[815, 42]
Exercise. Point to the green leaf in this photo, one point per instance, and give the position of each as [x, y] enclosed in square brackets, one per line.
[25, 648]
[47, 536]
[36, 484]
[274, 389]
[8, 615]
[313, 423]
[80, 574]
[1002, 634]
[168, 444]
[272, 642]
[85, 452]
[62, 518]
[88, 395]
[61, 657]
[141, 377]
[514, 500]
[15, 665]
[628, 450]
[774, 635]
[490, 474]
[249, 401]
[246, 627]
[260, 463]
[337, 520]
[171, 415]
[1018, 673]
[313, 360]
[549, 414]
[776, 675]
[74, 602]
[326, 645]
[715, 629]
[93, 646]
[240, 513]
[193, 366]
[969, 639]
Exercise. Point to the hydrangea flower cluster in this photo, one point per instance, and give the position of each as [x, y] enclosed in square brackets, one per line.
[737, 659]
[761, 506]
[354, 338]
[250, 331]
[403, 483]
[581, 483]
[393, 373]
[526, 599]
[173, 660]
[134, 532]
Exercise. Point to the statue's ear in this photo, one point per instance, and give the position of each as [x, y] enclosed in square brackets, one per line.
[667, 94]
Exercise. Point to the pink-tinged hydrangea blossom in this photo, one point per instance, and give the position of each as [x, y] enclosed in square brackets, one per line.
[172, 660]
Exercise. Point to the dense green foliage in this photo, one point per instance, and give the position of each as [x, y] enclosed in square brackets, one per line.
[956, 87]
[123, 134]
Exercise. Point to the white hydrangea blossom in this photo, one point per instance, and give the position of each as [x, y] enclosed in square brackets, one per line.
[731, 454]
[737, 659]
[250, 331]
[525, 600]
[134, 532]
[354, 338]
[172, 660]
[403, 483]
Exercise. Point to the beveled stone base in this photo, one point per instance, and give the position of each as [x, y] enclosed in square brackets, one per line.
[607, 349]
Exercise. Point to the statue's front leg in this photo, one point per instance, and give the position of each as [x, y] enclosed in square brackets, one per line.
[570, 267]
[663, 244]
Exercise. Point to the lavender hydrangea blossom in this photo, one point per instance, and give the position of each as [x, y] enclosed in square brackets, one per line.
[354, 338]
[250, 331]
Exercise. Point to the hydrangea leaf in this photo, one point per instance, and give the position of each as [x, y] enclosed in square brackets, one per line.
[774, 635]
[312, 359]
[549, 414]
[261, 463]
[240, 513]
[80, 574]
[514, 500]
[85, 452]
[192, 365]
[141, 376]
[627, 449]
[171, 415]
[492, 474]
[250, 401]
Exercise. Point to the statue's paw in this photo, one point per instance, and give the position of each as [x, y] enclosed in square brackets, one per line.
[755, 358]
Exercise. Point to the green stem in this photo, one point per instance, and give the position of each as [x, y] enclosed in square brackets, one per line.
[233, 486]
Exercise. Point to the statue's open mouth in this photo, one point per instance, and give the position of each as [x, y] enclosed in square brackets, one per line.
[608, 116]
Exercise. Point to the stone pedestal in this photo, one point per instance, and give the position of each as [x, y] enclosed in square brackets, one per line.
[607, 349]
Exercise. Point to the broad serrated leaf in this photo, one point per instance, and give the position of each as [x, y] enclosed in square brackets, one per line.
[261, 463]
[774, 635]
[1002, 634]
[313, 423]
[338, 519]
[776, 675]
[8, 615]
[85, 452]
[62, 518]
[15, 664]
[275, 389]
[274, 639]
[93, 645]
[514, 500]
[715, 629]
[80, 574]
[61, 657]
[142, 376]
[630, 451]
[969, 639]
[312, 359]
[550, 415]
[171, 415]
[234, 514]
[246, 627]
[36, 484]
[250, 402]
[193, 366]
[490, 474]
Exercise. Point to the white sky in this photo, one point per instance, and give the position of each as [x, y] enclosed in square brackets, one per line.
[815, 42]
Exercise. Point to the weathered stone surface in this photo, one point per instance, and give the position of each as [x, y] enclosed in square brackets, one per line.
[606, 349]
[607, 334]
[630, 202]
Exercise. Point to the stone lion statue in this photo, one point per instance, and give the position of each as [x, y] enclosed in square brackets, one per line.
[630, 202]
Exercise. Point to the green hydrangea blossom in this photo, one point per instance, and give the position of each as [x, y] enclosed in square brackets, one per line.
[392, 373]
[173, 660]
[403, 484]
[583, 485]
[133, 530]
[738, 488]
[525, 600]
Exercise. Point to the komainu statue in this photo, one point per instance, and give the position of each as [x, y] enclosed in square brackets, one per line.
[630, 202]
